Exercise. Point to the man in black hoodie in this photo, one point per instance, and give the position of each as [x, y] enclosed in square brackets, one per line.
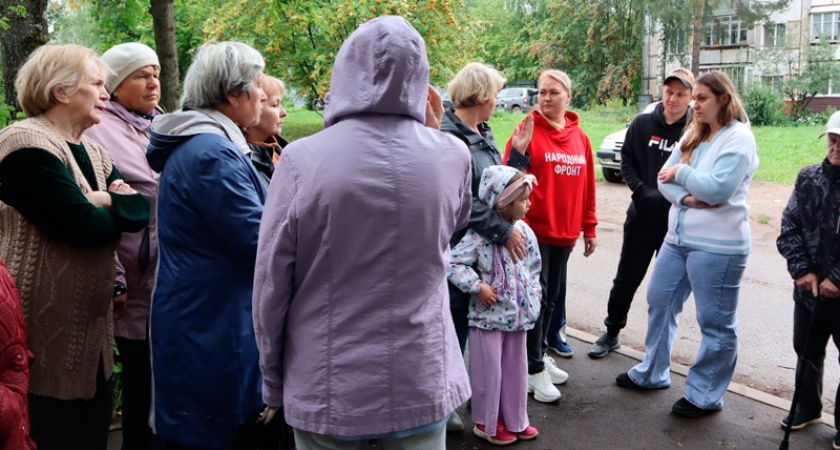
[647, 145]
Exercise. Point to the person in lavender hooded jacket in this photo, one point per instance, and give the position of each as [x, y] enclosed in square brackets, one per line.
[351, 307]
[125, 131]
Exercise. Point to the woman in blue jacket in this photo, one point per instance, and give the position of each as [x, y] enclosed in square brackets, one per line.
[204, 355]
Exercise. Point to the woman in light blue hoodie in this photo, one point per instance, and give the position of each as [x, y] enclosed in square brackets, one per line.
[705, 250]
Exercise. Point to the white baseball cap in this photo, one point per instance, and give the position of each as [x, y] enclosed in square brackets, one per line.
[833, 125]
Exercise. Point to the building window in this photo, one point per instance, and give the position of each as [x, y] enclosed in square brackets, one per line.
[825, 25]
[679, 44]
[774, 35]
[724, 30]
[738, 74]
[773, 82]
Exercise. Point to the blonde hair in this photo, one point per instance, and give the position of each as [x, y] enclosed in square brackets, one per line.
[273, 86]
[558, 76]
[50, 66]
[731, 109]
[475, 84]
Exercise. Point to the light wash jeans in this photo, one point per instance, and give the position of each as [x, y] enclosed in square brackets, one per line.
[715, 280]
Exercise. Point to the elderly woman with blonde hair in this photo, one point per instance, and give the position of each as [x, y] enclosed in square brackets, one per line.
[550, 144]
[264, 138]
[63, 206]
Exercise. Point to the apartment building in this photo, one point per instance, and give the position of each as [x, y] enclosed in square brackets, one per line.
[766, 52]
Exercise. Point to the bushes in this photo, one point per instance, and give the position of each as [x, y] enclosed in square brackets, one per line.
[763, 105]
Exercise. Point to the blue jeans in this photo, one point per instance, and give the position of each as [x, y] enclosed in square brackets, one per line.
[715, 280]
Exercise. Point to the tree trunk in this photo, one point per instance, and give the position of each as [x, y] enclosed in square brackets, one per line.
[163, 18]
[26, 32]
[697, 38]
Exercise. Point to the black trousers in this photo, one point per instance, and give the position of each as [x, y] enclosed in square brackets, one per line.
[555, 260]
[459, 305]
[827, 326]
[136, 395]
[641, 241]
[73, 424]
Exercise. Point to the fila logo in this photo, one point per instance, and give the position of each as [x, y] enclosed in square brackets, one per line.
[661, 144]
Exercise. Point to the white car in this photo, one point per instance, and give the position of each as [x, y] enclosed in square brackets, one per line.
[609, 152]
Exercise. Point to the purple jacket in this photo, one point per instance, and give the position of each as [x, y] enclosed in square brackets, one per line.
[126, 135]
[351, 307]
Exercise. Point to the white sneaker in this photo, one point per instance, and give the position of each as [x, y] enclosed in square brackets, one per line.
[540, 385]
[557, 375]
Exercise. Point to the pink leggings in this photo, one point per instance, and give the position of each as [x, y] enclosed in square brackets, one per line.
[499, 376]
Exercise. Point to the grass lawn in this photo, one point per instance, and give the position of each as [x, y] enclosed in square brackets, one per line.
[783, 150]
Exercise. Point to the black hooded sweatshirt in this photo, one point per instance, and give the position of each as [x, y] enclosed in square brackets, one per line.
[647, 145]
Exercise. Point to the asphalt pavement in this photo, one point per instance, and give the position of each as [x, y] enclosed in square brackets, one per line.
[594, 413]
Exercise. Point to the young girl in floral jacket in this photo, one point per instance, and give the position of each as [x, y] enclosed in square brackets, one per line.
[505, 304]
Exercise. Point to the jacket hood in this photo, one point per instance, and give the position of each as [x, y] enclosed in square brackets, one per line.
[381, 68]
[170, 130]
[141, 123]
[493, 182]
[658, 115]
[572, 121]
[542, 125]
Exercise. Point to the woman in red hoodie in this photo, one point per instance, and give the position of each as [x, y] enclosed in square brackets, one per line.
[14, 368]
[550, 144]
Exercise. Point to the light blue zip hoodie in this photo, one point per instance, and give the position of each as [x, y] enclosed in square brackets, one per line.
[719, 174]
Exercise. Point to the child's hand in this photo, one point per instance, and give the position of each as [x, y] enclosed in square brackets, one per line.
[486, 295]
[669, 174]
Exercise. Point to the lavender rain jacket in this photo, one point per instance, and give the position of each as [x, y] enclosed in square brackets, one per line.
[126, 135]
[351, 308]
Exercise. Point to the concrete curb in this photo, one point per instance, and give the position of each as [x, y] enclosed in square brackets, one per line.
[744, 391]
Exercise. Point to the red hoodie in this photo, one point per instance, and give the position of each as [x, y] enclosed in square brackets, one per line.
[14, 368]
[563, 203]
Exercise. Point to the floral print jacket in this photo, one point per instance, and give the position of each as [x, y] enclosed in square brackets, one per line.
[519, 291]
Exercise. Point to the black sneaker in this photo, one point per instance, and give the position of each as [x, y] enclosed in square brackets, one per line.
[687, 409]
[801, 420]
[836, 444]
[604, 345]
[625, 381]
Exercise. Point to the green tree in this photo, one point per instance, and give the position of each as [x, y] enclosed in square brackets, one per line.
[300, 39]
[598, 42]
[508, 35]
[24, 29]
[817, 72]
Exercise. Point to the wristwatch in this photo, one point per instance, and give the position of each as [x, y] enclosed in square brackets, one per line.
[119, 289]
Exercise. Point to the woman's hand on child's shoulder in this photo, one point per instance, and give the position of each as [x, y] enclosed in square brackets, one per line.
[486, 295]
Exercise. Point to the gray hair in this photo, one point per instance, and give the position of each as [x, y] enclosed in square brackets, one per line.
[218, 70]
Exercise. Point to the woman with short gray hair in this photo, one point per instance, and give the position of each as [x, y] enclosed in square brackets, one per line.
[210, 200]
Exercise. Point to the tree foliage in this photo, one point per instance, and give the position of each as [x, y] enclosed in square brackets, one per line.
[24, 29]
[300, 39]
[818, 66]
[508, 30]
[597, 42]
